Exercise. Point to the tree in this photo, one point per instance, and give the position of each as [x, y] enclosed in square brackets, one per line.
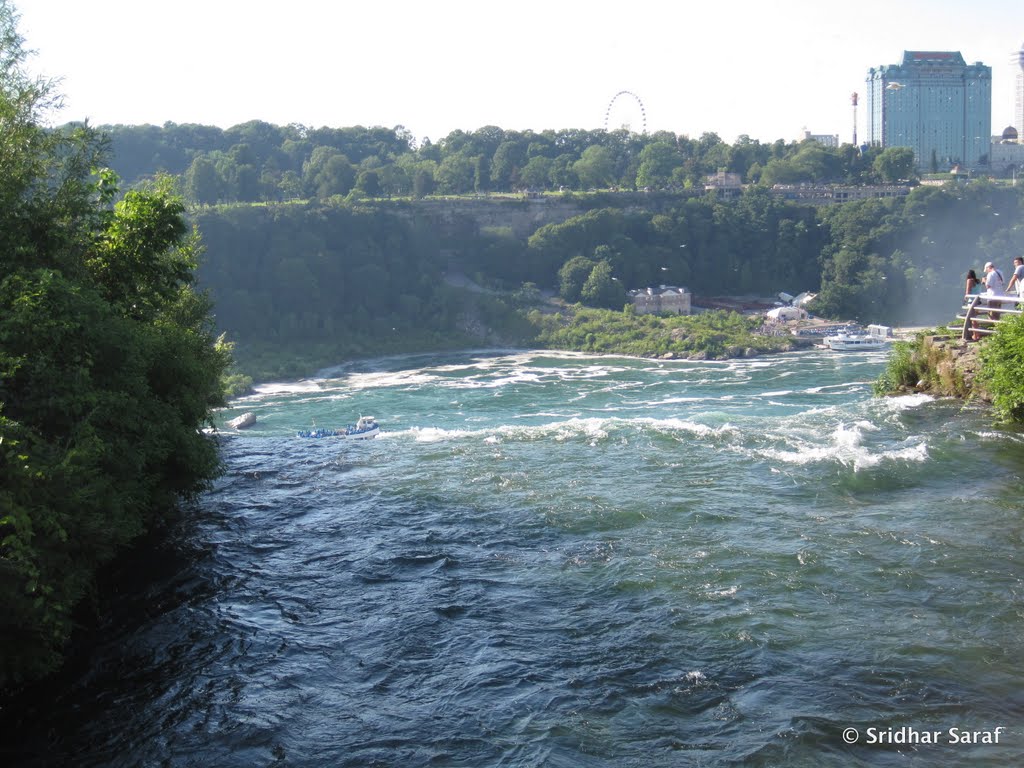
[328, 172]
[394, 180]
[481, 174]
[368, 183]
[108, 367]
[454, 175]
[142, 257]
[603, 290]
[508, 158]
[423, 179]
[595, 168]
[336, 178]
[202, 182]
[572, 276]
[536, 174]
[657, 162]
[290, 186]
[895, 164]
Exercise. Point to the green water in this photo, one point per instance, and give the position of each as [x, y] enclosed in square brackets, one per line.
[562, 560]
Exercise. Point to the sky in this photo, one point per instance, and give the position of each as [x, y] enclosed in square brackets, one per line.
[770, 70]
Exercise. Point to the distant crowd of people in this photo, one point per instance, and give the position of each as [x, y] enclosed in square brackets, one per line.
[994, 285]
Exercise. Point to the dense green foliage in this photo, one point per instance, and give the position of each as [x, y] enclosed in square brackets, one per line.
[903, 371]
[260, 162]
[108, 367]
[318, 272]
[758, 244]
[712, 335]
[1003, 369]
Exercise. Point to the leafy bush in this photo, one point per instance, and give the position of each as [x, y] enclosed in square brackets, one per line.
[903, 370]
[709, 335]
[1002, 370]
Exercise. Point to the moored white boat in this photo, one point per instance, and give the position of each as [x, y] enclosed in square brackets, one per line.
[363, 429]
[854, 342]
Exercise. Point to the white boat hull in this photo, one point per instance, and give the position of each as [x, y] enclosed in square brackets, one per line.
[851, 343]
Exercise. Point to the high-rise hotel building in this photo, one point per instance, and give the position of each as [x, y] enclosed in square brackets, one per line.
[1018, 92]
[936, 104]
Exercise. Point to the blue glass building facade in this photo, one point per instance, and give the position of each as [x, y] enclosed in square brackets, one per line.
[936, 104]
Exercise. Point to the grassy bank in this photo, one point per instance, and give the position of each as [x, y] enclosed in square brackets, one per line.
[709, 336]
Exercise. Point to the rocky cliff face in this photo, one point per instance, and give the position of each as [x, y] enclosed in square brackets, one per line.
[948, 367]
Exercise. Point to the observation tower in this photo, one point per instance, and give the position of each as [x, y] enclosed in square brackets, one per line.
[1018, 93]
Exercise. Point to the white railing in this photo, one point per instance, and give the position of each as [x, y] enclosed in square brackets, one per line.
[982, 314]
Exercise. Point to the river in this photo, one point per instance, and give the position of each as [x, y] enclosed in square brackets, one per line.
[552, 559]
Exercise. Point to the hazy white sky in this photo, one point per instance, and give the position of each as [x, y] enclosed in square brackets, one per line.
[768, 69]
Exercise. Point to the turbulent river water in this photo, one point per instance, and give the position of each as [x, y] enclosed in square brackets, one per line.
[553, 559]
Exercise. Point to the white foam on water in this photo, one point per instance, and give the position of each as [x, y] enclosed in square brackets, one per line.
[690, 427]
[682, 400]
[388, 379]
[592, 429]
[430, 434]
[906, 402]
[834, 389]
[730, 592]
[845, 445]
[287, 387]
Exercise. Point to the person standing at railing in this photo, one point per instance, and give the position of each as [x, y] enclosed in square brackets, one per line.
[1017, 280]
[995, 285]
[974, 285]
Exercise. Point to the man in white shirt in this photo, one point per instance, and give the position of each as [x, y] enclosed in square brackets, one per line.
[994, 280]
[996, 287]
[1017, 280]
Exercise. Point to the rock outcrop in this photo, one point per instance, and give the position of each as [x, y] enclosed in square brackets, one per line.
[948, 367]
[247, 419]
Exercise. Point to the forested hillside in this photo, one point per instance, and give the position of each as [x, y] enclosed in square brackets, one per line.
[260, 162]
[362, 279]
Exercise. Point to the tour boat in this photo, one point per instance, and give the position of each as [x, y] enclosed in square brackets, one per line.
[366, 427]
[854, 342]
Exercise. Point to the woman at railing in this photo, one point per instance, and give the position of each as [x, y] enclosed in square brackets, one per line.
[973, 287]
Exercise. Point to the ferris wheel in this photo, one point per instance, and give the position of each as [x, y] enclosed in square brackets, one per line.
[625, 110]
